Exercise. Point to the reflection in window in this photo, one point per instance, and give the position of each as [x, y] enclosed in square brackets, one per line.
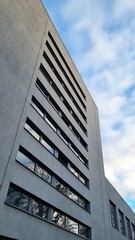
[83, 230]
[73, 196]
[128, 228]
[17, 198]
[63, 137]
[82, 203]
[82, 179]
[39, 209]
[52, 125]
[59, 219]
[43, 174]
[61, 187]
[122, 224]
[31, 131]
[72, 226]
[27, 162]
[47, 146]
[73, 149]
[25, 201]
[113, 214]
[37, 106]
[73, 171]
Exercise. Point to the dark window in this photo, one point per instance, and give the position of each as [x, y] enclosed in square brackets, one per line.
[129, 235]
[61, 186]
[38, 107]
[26, 161]
[121, 221]
[32, 129]
[113, 214]
[17, 198]
[38, 208]
[133, 231]
[83, 231]
[73, 196]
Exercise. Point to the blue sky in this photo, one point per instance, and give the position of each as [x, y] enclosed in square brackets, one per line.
[100, 37]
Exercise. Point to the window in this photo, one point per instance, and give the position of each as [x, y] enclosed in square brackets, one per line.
[29, 161]
[122, 224]
[83, 231]
[33, 131]
[37, 106]
[59, 218]
[47, 145]
[17, 198]
[129, 235]
[73, 170]
[61, 187]
[83, 203]
[51, 123]
[73, 196]
[26, 161]
[43, 173]
[133, 231]
[36, 133]
[25, 201]
[72, 226]
[38, 208]
[113, 214]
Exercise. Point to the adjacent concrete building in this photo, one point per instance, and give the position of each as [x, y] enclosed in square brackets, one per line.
[52, 182]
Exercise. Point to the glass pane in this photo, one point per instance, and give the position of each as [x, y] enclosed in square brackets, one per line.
[72, 148]
[45, 212]
[37, 109]
[81, 160]
[59, 219]
[25, 161]
[73, 171]
[73, 196]
[82, 203]
[128, 229]
[113, 214]
[63, 137]
[83, 230]
[46, 145]
[51, 124]
[82, 179]
[31, 131]
[43, 174]
[17, 198]
[36, 207]
[61, 187]
[72, 226]
[121, 220]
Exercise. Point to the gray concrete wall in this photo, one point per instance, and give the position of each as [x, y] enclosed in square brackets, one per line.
[20, 40]
[121, 205]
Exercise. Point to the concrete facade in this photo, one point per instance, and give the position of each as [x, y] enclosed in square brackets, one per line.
[52, 182]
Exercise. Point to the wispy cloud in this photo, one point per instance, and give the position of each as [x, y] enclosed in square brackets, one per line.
[99, 35]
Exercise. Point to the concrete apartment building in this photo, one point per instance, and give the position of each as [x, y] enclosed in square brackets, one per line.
[52, 182]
